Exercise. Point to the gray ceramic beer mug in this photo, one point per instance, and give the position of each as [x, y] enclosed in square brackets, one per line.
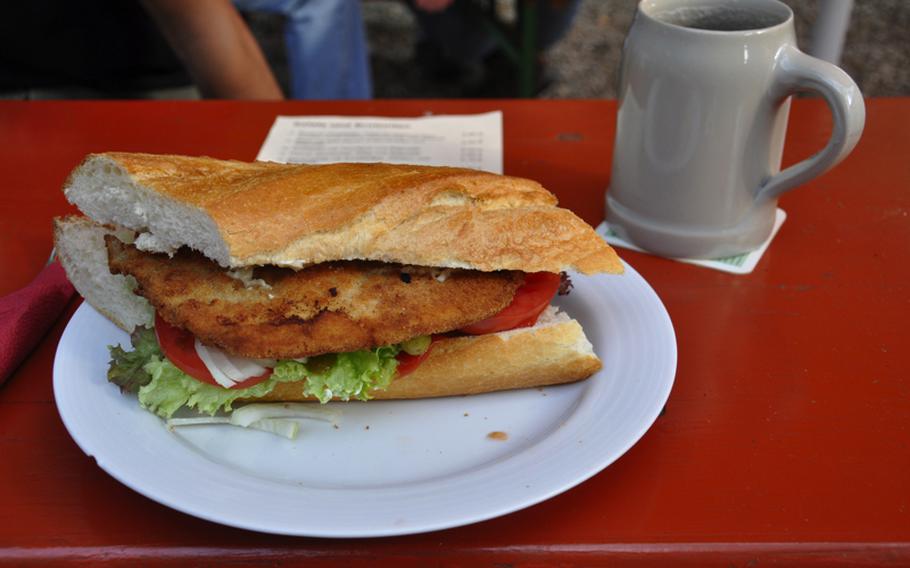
[704, 94]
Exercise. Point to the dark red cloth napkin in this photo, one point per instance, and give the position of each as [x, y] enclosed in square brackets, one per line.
[27, 314]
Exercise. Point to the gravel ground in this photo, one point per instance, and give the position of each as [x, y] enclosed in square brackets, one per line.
[584, 63]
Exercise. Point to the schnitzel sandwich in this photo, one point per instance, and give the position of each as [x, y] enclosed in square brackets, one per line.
[273, 282]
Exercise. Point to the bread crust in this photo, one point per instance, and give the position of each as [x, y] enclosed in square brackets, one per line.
[289, 215]
[548, 355]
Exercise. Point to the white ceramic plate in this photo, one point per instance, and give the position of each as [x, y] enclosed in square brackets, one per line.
[390, 468]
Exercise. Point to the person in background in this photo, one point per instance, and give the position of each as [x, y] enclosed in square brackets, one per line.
[326, 45]
[456, 44]
[130, 49]
[217, 48]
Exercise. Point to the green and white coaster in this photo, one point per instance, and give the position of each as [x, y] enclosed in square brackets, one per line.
[739, 264]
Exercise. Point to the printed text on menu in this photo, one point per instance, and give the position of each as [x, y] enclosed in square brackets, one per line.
[468, 141]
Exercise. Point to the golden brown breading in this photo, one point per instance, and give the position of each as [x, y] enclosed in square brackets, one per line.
[328, 307]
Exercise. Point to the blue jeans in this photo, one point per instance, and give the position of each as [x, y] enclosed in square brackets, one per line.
[326, 46]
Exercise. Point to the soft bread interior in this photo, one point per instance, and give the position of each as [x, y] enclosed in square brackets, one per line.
[107, 193]
[80, 247]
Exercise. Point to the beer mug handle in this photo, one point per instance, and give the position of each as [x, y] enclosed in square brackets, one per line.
[795, 71]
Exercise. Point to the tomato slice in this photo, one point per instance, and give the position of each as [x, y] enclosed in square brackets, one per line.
[407, 363]
[178, 345]
[529, 302]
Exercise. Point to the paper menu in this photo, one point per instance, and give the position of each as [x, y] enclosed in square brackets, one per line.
[469, 141]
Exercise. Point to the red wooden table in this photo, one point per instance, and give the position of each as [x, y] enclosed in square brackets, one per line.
[786, 439]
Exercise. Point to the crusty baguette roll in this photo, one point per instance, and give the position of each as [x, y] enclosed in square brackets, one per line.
[242, 214]
[80, 247]
[554, 351]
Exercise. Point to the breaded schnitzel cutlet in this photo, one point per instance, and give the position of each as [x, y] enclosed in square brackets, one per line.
[325, 308]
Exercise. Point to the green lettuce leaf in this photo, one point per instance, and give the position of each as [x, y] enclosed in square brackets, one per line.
[163, 388]
[350, 375]
[171, 389]
[126, 368]
[289, 371]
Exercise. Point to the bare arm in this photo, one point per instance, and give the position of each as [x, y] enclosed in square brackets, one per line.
[217, 48]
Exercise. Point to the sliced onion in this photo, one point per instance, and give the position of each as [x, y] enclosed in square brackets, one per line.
[278, 418]
[280, 426]
[227, 370]
[171, 422]
[210, 363]
[250, 413]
